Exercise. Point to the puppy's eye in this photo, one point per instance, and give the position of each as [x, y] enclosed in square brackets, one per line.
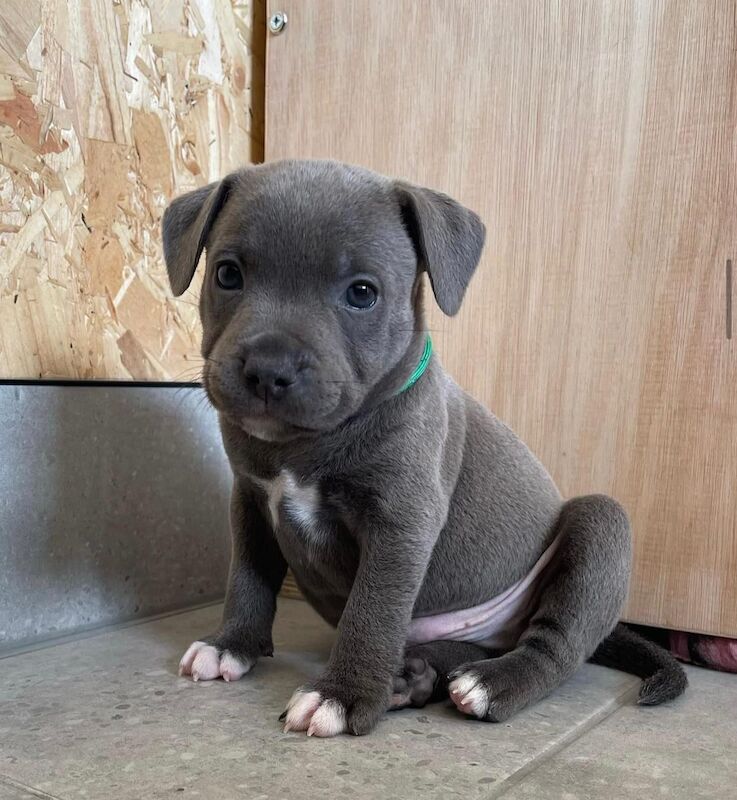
[361, 295]
[228, 276]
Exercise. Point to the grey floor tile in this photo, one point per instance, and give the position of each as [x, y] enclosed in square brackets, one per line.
[686, 749]
[108, 717]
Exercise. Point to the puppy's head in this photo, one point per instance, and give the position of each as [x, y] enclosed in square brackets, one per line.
[310, 298]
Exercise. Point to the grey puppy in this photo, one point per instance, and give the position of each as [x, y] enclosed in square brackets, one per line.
[413, 519]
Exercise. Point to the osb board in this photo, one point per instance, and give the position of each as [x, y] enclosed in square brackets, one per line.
[107, 109]
[598, 140]
[289, 588]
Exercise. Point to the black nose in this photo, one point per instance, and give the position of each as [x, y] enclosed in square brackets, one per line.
[269, 376]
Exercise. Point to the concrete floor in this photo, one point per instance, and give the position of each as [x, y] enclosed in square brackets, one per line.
[107, 717]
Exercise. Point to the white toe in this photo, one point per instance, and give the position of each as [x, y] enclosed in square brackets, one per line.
[469, 695]
[476, 701]
[328, 720]
[300, 709]
[463, 684]
[233, 668]
[185, 665]
[206, 664]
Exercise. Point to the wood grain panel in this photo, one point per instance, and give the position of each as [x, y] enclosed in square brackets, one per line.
[106, 110]
[599, 143]
[290, 589]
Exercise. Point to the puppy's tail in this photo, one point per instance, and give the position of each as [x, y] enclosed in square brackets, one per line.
[663, 677]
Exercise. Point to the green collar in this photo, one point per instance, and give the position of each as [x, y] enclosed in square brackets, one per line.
[420, 368]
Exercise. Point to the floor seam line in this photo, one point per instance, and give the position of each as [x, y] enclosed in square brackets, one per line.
[611, 708]
[8, 781]
[100, 630]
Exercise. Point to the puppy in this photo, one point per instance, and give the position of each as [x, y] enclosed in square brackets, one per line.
[414, 521]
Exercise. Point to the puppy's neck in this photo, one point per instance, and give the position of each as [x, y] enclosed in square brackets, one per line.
[406, 372]
[403, 376]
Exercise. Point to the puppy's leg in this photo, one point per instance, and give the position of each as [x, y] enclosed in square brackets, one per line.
[423, 677]
[257, 569]
[355, 688]
[578, 608]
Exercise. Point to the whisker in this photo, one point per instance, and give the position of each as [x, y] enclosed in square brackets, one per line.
[191, 380]
[182, 394]
[185, 375]
[203, 401]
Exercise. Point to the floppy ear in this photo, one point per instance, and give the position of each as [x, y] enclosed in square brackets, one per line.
[448, 239]
[185, 228]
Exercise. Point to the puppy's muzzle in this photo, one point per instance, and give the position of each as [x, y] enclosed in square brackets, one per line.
[273, 367]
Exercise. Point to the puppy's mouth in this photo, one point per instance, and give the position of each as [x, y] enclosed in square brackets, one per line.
[274, 420]
[269, 429]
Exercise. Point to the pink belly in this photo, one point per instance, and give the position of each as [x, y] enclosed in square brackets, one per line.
[498, 623]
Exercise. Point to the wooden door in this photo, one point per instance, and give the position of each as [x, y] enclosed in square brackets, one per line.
[599, 143]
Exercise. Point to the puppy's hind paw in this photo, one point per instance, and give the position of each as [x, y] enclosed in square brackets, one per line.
[414, 684]
[493, 689]
[469, 695]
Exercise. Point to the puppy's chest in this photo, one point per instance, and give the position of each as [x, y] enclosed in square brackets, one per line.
[305, 520]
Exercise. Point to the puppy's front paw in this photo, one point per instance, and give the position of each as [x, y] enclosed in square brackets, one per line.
[309, 711]
[322, 712]
[204, 662]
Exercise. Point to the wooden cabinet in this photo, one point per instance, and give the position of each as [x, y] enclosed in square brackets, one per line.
[598, 140]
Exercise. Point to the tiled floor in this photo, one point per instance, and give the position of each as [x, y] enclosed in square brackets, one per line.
[107, 717]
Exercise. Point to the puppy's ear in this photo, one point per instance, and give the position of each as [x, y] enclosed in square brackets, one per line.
[448, 239]
[186, 226]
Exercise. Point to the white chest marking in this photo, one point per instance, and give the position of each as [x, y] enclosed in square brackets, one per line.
[301, 501]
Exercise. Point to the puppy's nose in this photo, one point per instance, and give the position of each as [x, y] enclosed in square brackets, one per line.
[268, 376]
